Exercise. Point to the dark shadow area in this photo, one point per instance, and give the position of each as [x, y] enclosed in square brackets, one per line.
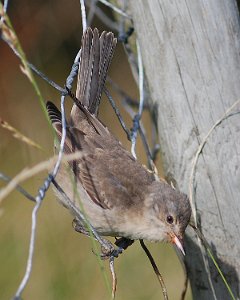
[199, 277]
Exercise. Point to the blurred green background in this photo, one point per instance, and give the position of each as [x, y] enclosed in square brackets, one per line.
[64, 266]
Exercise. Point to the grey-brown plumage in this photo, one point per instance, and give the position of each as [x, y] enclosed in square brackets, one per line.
[119, 195]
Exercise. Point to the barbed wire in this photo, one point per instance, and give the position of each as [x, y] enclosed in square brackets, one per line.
[131, 134]
[42, 191]
[18, 187]
[5, 7]
[116, 9]
[137, 117]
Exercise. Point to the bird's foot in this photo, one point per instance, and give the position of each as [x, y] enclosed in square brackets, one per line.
[78, 226]
[107, 248]
[121, 243]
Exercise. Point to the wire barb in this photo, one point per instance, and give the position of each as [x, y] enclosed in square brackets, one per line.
[117, 112]
[42, 191]
[115, 8]
[5, 7]
[83, 13]
[18, 187]
[121, 243]
[137, 117]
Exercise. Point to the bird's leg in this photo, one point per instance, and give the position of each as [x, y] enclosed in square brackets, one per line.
[78, 226]
[107, 248]
[123, 242]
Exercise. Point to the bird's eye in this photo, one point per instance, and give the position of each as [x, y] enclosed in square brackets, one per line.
[170, 219]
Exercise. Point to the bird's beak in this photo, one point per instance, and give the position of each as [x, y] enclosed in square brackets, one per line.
[178, 242]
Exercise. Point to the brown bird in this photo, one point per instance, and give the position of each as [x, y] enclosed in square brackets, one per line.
[119, 196]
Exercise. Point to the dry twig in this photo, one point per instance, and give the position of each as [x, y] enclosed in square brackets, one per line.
[155, 268]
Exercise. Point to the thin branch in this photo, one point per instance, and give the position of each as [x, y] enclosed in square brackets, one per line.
[114, 277]
[184, 292]
[18, 187]
[155, 268]
[181, 258]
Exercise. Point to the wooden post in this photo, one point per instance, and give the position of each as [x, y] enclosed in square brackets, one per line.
[191, 58]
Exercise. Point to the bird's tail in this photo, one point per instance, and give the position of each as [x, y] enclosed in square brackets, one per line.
[95, 58]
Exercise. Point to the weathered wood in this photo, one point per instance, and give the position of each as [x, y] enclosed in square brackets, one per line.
[191, 57]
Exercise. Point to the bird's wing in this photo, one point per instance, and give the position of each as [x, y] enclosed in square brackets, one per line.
[109, 173]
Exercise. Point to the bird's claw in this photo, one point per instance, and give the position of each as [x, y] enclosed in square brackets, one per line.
[108, 250]
[112, 253]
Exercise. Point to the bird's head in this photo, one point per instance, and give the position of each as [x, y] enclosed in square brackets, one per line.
[170, 213]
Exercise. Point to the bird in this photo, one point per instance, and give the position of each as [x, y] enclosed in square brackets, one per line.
[119, 196]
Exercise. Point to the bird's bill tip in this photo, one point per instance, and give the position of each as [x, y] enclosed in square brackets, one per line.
[178, 243]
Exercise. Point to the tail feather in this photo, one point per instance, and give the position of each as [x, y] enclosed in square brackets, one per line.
[96, 55]
[107, 46]
[93, 81]
[54, 113]
[86, 64]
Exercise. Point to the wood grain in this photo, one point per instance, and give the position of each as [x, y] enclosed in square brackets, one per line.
[191, 58]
